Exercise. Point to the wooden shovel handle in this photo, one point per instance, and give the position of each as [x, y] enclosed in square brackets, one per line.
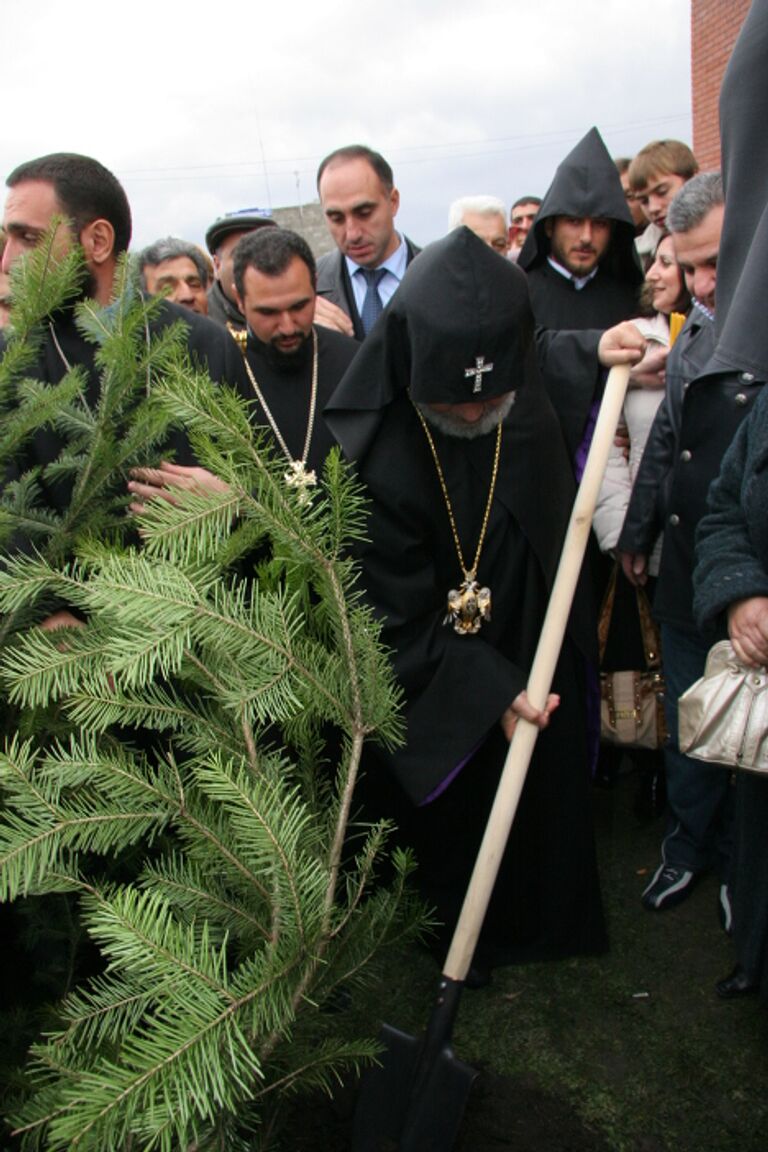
[542, 671]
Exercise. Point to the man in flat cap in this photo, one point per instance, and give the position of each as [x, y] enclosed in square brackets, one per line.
[221, 240]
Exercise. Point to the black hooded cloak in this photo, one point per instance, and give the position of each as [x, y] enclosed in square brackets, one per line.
[742, 344]
[461, 308]
[586, 184]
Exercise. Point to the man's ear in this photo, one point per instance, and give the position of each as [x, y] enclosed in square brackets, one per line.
[98, 241]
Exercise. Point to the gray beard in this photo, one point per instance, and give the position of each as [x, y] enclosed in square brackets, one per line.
[452, 426]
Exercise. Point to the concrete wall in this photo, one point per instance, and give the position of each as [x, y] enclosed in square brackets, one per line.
[309, 222]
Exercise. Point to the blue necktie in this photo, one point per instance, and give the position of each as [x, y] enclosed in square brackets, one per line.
[372, 305]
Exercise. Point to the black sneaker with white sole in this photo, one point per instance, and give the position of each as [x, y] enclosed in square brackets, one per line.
[668, 887]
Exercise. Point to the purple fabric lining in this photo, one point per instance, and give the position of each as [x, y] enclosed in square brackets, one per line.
[582, 451]
[450, 777]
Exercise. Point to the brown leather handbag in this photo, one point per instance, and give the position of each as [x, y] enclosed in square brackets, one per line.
[632, 702]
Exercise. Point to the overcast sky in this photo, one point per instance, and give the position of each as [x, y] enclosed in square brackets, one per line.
[200, 109]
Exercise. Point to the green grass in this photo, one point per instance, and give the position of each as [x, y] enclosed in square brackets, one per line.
[636, 1042]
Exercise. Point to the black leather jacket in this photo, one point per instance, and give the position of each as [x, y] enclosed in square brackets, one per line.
[693, 428]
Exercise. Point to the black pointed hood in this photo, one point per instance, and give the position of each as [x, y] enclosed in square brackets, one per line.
[587, 183]
[743, 258]
[459, 328]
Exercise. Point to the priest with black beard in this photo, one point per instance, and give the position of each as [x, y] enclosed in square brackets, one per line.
[289, 367]
[583, 268]
[470, 488]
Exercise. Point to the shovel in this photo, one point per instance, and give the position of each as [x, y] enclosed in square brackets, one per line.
[414, 1100]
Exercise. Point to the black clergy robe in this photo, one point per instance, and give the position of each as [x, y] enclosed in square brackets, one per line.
[742, 336]
[209, 345]
[459, 330]
[585, 185]
[287, 391]
[439, 786]
[601, 303]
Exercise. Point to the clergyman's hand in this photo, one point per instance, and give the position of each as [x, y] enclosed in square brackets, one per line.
[621, 439]
[623, 344]
[162, 482]
[651, 371]
[329, 315]
[61, 619]
[521, 706]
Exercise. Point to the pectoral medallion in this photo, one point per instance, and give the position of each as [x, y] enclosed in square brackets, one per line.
[468, 606]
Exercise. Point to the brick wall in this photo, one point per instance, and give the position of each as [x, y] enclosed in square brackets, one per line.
[715, 25]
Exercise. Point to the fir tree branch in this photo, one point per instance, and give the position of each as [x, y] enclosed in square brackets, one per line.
[248, 737]
[201, 894]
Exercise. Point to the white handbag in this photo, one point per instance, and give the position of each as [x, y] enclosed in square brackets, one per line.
[723, 717]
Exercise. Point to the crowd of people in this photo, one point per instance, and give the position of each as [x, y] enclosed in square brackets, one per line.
[463, 382]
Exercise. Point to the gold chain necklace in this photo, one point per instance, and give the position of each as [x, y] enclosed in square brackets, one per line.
[469, 604]
[58, 346]
[297, 476]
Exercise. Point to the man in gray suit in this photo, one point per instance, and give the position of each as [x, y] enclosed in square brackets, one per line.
[360, 202]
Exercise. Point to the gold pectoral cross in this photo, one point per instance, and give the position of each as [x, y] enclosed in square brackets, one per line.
[302, 480]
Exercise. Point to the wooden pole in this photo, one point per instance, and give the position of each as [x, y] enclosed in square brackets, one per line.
[542, 671]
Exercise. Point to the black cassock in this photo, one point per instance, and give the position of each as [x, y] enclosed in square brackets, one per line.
[439, 786]
[209, 346]
[286, 387]
[601, 303]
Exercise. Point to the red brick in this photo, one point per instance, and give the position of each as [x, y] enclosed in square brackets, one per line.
[715, 25]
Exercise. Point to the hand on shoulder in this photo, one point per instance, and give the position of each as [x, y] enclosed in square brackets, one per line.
[329, 315]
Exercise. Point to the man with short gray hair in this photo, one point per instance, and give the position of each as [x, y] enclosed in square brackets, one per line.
[486, 216]
[179, 270]
[694, 426]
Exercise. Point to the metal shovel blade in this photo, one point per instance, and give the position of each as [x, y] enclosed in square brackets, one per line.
[415, 1100]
